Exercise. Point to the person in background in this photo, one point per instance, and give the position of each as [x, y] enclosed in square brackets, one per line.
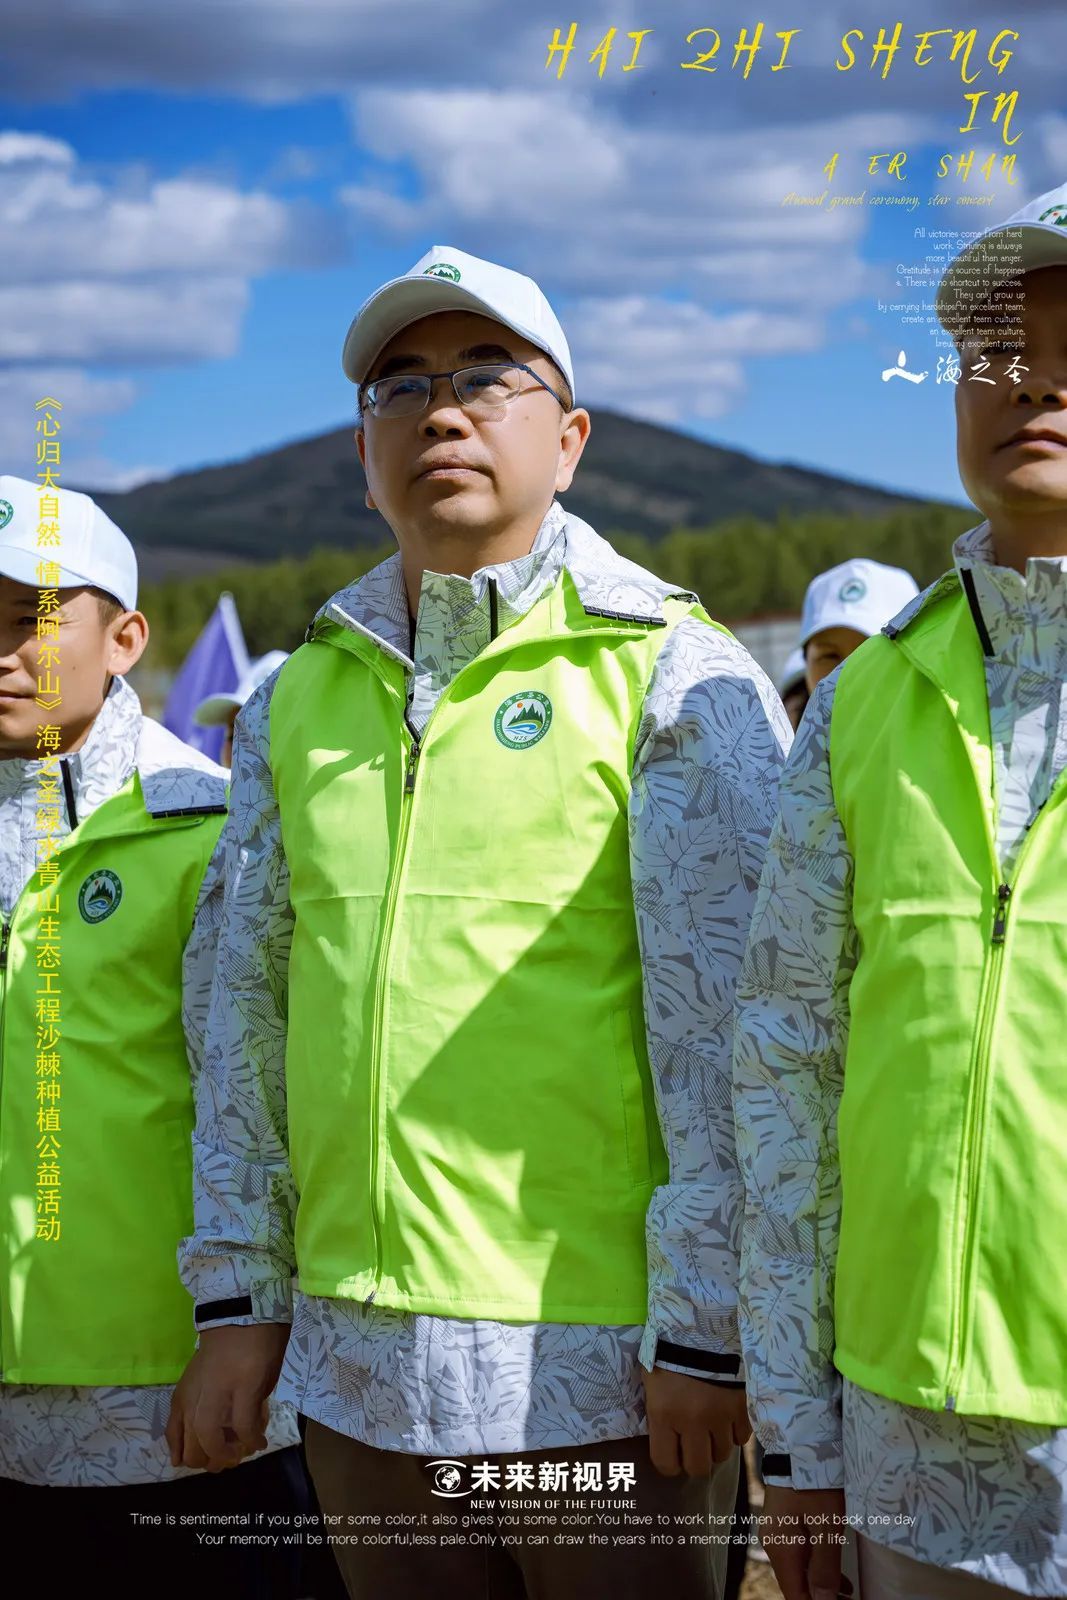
[846, 605]
[793, 686]
[220, 710]
[900, 1070]
[112, 822]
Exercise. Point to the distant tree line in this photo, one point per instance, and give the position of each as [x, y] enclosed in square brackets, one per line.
[742, 568]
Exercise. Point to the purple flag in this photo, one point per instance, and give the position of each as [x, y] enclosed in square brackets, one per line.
[215, 665]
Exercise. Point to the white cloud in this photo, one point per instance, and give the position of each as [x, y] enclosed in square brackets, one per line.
[1053, 134]
[669, 249]
[117, 323]
[670, 360]
[272, 51]
[84, 399]
[54, 218]
[280, 50]
[17, 148]
[96, 473]
[120, 268]
[585, 199]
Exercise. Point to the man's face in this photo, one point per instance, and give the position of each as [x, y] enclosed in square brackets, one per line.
[826, 650]
[1012, 437]
[446, 471]
[795, 701]
[226, 748]
[87, 648]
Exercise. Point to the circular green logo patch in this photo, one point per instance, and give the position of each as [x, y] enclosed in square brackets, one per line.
[7, 511]
[853, 589]
[442, 269]
[523, 719]
[99, 895]
[1057, 215]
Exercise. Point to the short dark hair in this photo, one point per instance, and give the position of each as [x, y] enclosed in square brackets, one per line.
[567, 394]
[108, 607]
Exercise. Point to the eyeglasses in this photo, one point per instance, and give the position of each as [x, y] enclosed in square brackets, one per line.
[480, 390]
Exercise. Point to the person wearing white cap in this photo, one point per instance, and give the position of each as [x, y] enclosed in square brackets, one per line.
[793, 687]
[899, 1085]
[220, 710]
[108, 830]
[846, 605]
[498, 823]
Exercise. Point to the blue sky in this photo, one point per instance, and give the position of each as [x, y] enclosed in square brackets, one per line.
[195, 202]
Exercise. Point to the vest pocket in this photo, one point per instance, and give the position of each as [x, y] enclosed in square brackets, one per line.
[632, 1097]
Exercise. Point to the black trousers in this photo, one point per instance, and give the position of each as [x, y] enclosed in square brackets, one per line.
[91, 1541]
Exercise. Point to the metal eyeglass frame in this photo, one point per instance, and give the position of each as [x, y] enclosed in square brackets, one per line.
[430, 378]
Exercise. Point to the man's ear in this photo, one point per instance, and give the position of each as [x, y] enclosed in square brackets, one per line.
[127, 643]
[572, 441]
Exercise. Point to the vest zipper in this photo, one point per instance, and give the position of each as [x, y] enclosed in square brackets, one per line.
[976, 1110]
[376, 1204]
[415, 744]
[409, 776]
[1001, 919]
[5, 936]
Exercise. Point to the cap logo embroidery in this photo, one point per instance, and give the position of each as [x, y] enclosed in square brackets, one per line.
[7, 511]
[853, 590]
[442, 269]
[1057, 215]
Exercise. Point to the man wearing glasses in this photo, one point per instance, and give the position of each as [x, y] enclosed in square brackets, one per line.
[496, 829]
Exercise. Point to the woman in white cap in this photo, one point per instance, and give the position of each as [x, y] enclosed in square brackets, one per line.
[220, 710]
[846, 605]
[793, 686]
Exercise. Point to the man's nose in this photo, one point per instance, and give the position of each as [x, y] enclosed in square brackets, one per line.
[444, 416]
[1044, 385]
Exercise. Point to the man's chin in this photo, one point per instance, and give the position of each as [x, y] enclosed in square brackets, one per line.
[16, 739]
[1028, 481]
[456, 504]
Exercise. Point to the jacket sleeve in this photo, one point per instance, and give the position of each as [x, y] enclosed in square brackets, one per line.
[710, 746]
[238, 1263]
[791, 1033]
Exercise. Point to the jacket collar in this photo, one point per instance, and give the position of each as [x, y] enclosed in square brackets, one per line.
[174, 777]
[1019, 619]
[177, 780]
[607, 585]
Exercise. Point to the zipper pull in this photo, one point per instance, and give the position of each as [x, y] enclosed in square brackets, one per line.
[1003, 896]
[409, 777]
[4, 937]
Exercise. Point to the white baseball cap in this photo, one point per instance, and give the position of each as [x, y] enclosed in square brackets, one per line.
[91, 549]
[1036, 236]
[214, 712]
[858, 594]
[450, 280]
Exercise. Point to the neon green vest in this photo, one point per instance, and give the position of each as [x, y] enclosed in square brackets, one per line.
[472, 1123]
[103, 1304]
[953, 1122]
